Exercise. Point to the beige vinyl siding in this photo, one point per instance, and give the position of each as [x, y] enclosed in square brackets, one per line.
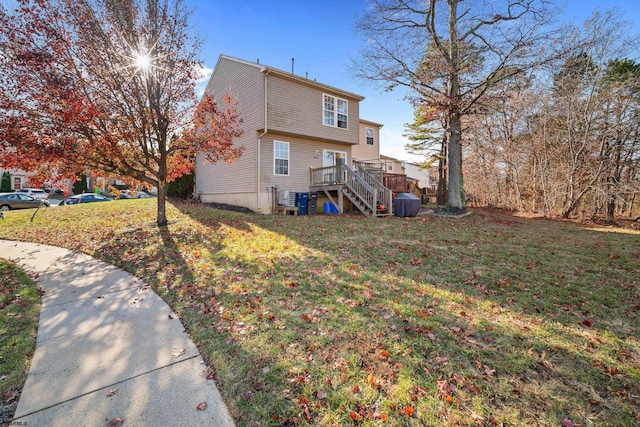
[297, 108]
[303, 154]
[244, 83]
[392, 165]
[363, 152]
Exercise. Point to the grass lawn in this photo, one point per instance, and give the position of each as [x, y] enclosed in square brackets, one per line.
[344, 320]
[19, 311]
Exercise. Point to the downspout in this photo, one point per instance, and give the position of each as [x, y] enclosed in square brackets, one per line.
[258, 153]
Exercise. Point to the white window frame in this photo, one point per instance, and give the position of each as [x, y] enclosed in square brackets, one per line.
[366, 136]
[277, 157]
[331, 111]
[324, 155]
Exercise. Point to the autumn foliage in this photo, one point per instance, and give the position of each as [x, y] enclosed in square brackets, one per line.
[107, 86]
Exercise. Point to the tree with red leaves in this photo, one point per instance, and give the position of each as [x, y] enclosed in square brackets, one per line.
[107, 85]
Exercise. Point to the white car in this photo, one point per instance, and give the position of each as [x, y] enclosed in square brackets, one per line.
[36, 193]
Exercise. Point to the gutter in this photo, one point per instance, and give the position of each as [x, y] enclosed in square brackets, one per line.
[258, 152]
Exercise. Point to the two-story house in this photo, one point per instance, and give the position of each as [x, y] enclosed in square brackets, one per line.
[299, 135]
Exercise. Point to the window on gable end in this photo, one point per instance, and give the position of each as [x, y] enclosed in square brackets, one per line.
[335, 111]
[369, 135]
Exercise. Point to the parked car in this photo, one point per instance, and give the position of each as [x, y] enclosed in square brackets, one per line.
[85, 198]
[125, 194]
[128, 194]
[36, 193]
[16, 200]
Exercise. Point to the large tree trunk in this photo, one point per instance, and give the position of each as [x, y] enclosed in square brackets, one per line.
[455, 162]
[441, 192]
[454, 117]
[162, 204]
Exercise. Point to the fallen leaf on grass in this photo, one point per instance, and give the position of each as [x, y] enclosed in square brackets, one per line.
[114, 422]
[371, 379]
[567, 423]
[476, 416]
[202, 406]
[112, 392]
[442, 360]
[587, 323]
[322, 395]
[408, 411]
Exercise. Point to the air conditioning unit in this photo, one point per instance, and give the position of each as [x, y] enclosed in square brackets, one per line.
[287, 198]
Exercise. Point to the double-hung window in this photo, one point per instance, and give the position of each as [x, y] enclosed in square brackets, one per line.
[280, 158]
[369, 135]
[335, 111]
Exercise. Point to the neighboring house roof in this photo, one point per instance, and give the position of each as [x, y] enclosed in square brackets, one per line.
[370, 123]
[294, 77]
[382, 156]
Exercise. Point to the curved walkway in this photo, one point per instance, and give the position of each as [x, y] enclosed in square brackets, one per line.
[108, 349]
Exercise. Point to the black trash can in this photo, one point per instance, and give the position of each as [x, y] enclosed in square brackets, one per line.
[302, 200]
[312, 205]
[406, 204]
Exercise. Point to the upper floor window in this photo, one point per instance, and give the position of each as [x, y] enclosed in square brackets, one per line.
[280, 158]
[369, 135]
[334, 111]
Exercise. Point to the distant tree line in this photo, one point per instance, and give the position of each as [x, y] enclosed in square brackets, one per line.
[563, 139]
[518, 112]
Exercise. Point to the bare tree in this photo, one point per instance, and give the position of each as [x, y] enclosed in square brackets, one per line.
[449, 53]
[563, 140]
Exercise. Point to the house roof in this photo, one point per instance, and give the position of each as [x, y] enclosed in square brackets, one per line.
[382, 156]
[370, 123]
[293, 77]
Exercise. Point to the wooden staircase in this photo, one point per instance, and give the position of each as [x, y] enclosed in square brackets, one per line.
[362, 188]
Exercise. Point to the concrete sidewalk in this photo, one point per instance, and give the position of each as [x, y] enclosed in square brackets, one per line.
[108, 348]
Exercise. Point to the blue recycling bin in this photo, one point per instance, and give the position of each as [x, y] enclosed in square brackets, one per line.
[330, 208]
[301, 203]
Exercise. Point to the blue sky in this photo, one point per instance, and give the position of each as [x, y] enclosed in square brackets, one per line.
[320, 36]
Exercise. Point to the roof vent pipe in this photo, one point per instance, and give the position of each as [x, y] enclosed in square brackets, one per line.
[292, 61]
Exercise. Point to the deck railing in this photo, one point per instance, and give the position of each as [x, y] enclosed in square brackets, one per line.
[357, 185]
[395, 181]
[372, 177]
[328, 175]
